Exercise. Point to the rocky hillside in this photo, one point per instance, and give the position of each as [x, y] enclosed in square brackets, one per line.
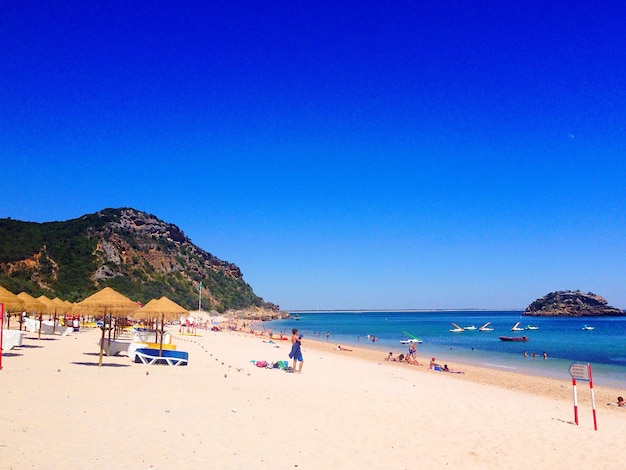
[126, 249]
[571, 304]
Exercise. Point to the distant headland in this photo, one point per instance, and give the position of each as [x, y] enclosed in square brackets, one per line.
[571, 304]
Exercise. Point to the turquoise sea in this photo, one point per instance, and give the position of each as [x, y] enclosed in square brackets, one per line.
[563, 339]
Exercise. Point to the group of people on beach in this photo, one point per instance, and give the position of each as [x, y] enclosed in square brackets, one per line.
[408, 358]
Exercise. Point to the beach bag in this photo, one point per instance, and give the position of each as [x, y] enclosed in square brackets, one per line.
[261, 363]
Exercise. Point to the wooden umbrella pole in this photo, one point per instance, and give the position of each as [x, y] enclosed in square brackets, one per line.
[40, 322]
[109, 335]
[104, 326]
[162, 331]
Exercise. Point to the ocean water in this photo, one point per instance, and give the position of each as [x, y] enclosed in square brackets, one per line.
[563, 339]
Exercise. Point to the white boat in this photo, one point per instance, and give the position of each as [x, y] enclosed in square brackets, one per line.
[469, 328]
[413, 340]
[486, 327]
[531, 327]
[457, 329]
[587, 327]
[516, 327]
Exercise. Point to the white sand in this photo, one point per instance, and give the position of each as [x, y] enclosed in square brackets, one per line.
[347, 410]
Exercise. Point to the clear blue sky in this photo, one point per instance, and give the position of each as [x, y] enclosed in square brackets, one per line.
[344, 155]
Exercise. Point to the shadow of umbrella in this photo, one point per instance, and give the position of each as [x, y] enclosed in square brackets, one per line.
[109, 303]
[163, 308]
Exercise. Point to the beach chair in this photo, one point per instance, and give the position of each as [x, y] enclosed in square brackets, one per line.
[12, 339]
[134, 346]
[167, 357]
[116, 348]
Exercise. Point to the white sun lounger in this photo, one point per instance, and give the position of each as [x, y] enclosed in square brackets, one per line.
[12, 339]
[117, 347]
[47, 327]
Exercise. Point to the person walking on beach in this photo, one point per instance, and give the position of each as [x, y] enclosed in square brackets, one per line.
[296, 351]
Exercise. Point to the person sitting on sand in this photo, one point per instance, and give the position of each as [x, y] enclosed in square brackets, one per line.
[401, 358]
[390, 357]
[445, 369]
[409, 359]
[433, 365]
[620, 401]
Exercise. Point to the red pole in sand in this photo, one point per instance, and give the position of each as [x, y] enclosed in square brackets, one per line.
[593, 401]
[575, 402]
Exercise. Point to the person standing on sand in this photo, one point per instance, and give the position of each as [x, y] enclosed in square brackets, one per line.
[296, 352]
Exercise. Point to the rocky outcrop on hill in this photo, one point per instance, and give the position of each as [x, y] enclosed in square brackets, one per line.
[571, 304]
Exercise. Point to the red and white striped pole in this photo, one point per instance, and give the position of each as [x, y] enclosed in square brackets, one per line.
[593, 400]
[575, 401]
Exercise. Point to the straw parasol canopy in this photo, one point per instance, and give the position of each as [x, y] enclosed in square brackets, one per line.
[12, 303]
[31, 304]
[107, 301]
[165, 308]
[48, 304]
[61, 306]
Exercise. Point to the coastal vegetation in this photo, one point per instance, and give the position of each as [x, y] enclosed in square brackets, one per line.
[131, 251]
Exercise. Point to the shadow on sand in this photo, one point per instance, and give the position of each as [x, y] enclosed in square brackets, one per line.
[104, 364]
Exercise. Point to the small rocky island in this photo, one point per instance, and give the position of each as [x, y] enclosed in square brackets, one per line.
[571, 304]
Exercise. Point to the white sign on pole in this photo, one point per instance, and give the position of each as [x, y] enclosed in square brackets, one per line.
[579, 371]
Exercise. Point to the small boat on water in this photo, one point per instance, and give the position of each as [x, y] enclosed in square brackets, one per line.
[588, 327]
[486, 327]
[516, 327]
[469, 328]
[514, 338]
[412, 340]
[531, 327]
[456, 329]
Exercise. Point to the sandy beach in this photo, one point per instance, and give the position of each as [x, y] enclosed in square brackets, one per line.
[346, 410]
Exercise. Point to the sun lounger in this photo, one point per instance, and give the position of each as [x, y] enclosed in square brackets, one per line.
[134, 346]
[48, 327]
[170, 358]
[12, 339]
[117, 347]
[146, 336]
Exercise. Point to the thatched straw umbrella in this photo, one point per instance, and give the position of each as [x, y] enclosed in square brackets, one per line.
[31, 305]
[166, 309]
[61, 308]
[10, 303]
[109, 303]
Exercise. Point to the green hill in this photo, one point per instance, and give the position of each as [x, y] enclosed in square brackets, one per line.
[131, 251]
